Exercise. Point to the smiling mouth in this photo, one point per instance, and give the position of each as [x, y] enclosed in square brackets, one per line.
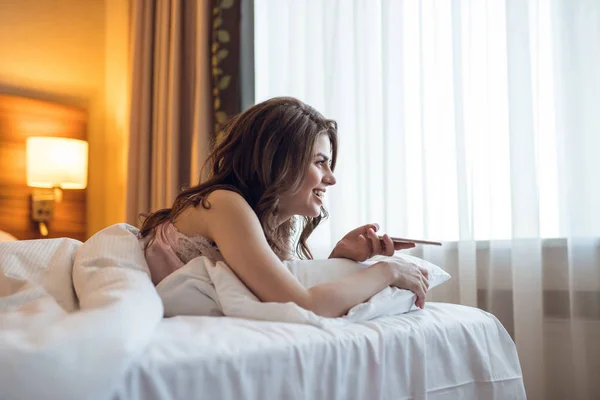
[320, 194]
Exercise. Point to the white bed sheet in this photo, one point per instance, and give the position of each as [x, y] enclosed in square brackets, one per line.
[445, 351]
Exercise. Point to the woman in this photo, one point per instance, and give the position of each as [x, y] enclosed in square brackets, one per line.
[274, 165]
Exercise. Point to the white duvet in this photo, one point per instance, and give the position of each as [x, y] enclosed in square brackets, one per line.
[73, 317]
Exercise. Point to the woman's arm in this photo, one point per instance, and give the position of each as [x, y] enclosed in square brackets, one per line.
[334, 299]
[233, 226]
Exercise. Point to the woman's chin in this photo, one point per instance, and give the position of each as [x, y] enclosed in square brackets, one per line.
[315, 213]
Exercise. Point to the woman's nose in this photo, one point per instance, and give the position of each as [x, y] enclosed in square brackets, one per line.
[329, 179]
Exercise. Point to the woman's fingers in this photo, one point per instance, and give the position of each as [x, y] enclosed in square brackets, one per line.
[363, 240]
[424, 277]
[420, 297]
[416, 285]
[365, 247]
[414, 278]
[422, 285]
[375, 243]
[388, 246]
[364, 230]
[361, 230]
[423, 298]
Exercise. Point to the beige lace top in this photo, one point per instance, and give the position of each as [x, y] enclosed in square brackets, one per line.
[171, 250]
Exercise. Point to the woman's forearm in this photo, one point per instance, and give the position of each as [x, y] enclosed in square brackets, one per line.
[334, 299]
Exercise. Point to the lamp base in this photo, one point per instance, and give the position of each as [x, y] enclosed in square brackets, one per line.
[42, 205]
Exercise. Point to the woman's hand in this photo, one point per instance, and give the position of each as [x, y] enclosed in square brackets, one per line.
[363, 243]
[407, 275]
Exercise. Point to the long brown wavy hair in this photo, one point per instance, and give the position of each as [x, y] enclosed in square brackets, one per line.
[265, 152]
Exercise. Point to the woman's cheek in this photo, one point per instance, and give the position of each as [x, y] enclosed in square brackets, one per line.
[317, 176]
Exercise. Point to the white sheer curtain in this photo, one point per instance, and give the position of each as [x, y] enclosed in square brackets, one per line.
[473, 122]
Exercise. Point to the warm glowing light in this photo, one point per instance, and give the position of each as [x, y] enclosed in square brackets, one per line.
[57, 162]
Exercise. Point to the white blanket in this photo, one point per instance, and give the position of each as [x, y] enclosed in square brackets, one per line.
[74, 317]
[51, 350]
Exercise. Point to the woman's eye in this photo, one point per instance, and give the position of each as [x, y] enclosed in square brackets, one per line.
[321, 162]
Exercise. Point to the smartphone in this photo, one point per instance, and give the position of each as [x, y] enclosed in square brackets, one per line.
[417, 241]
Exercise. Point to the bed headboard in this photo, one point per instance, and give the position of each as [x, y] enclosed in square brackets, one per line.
[21, 117]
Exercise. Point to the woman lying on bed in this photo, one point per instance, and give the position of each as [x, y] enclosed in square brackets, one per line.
[273, 166]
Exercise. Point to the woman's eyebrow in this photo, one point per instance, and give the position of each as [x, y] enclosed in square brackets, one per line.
[322, 155]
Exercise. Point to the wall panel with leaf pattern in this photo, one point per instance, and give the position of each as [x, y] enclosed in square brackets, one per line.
[225, 61]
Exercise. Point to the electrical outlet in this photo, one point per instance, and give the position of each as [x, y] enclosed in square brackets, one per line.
[42, 207]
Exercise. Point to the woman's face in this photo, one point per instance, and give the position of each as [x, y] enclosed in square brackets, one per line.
[307, 201]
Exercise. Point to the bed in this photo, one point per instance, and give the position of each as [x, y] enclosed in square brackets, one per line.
[85, 321]
[443, 352]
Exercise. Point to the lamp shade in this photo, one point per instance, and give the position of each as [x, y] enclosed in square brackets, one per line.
[57, 162]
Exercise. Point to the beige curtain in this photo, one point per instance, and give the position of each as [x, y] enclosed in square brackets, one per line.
[171, 111]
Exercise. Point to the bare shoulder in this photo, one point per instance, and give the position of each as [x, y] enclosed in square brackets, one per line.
[222, 205]
[234, 227]
[225, 200]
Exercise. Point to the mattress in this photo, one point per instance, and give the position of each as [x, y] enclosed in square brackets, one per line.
[445, 351]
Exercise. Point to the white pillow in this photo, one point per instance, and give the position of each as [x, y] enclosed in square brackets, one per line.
[315, 272]
[236, 300]
[189, 291]
[390, 301]
[194, 290]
